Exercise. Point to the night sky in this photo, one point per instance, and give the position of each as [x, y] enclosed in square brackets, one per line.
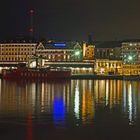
[72, 19]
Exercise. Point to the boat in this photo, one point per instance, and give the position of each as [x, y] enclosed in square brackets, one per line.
[34, 73]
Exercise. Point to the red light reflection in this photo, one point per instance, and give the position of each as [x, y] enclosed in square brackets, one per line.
[29, 127]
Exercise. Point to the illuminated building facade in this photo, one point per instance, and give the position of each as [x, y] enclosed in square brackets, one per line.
[66, 55]
[88, 51]
[106, 66]
[108, 58]
[56, 55]
[17, 52]
[82, 58]
[108, 53]
[131, 57]
[108, 50]
[61, 52]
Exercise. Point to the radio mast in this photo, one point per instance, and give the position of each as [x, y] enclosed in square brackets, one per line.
[31, 30]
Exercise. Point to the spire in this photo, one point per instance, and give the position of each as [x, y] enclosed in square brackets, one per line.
[90, 41]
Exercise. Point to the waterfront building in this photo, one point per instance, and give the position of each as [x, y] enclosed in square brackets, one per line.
[119, 58]
[108, 50]
[14, 52]
[108, 58]
[106, 66]
[66, 55]
[71, 51]
[55, 55]
[131, 69]
[88, 51]
[131, 57]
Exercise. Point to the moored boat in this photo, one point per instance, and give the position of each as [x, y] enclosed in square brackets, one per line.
[43, 73]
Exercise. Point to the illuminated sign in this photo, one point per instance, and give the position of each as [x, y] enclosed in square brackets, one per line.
[59, 45]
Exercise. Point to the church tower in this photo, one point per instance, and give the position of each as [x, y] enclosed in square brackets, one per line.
[88, 49]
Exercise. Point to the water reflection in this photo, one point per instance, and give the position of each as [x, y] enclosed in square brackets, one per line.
[29, 127]
[87, 108]
[130, 100]
[58, 110]
[108, 92]
[77, 101]
[74, 102]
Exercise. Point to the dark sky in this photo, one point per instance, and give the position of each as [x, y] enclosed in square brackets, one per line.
[72, 19]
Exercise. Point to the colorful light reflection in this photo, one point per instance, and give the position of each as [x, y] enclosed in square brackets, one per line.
[29, 128]
[58, 110]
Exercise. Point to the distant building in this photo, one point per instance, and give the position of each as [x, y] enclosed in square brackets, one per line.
[16, 52]
[108, 50]
[131, 52]
[88, 51]
[131, 57]
[70, 51]
[108, 58]
[122, 58]
[106, 66]
[65, 55]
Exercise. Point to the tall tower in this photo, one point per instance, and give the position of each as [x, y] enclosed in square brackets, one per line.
[31, 30]
[90, 41]
[88, 49]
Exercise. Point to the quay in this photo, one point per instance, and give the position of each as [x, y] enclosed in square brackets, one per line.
[112, 77]
[98, 77]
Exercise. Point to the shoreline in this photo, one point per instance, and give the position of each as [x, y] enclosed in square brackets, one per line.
[92, 76]
[115, 77]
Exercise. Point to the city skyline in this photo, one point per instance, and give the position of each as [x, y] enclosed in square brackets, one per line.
[71, 20]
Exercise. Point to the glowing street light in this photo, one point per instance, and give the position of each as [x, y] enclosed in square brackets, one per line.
[130, 58]
[77, 53]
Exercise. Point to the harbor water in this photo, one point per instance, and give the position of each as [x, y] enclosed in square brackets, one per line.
[73, 109]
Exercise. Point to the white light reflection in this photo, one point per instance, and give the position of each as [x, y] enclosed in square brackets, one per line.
[134, 92]
[33, 91]
[124, 95]
[42, 97]
[107, 90]
[130, 104]
[0, 91]
[76, 101]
